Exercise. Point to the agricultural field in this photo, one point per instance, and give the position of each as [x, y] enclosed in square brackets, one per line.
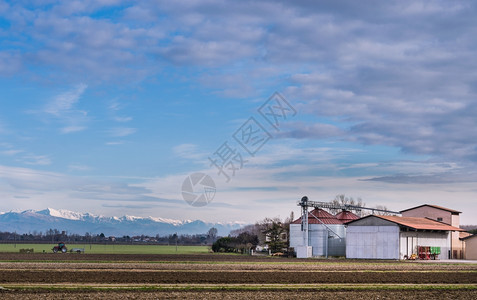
[212, 276]
[110, 248]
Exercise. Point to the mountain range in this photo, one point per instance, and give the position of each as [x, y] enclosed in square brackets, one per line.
[30, 221]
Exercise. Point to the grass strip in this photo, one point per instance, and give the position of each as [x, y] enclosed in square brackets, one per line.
[298, 263]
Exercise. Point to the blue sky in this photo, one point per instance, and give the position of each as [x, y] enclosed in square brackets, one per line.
[107, 106]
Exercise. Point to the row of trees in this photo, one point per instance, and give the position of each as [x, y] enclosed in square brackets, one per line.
[54, 236]
[342, 200]
[242, 243]
[272, 232]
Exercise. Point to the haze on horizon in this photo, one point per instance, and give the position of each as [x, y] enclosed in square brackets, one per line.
[107, 106]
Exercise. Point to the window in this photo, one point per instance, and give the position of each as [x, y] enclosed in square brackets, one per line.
[439, 219]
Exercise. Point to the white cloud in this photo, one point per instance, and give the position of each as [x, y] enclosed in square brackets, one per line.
[3, 129]
[123, 119]
[189, 51]
[33, 189]
[9, 149]
[189, 151]
[62, 109]
[316, 130]
[274, 191]
[116, 106]
[121, 131]
[71, 129]
[10, 63]
[40, 160]
[115, 143]
[79, 167]
[12, 152]
[63, 103]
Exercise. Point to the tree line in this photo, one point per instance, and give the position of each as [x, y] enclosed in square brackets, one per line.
[272, 232]
[55, 236]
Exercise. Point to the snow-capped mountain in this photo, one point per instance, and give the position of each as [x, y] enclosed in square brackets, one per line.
[61, 213]
[80, 223]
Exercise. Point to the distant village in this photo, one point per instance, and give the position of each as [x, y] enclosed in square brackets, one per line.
[54, 236]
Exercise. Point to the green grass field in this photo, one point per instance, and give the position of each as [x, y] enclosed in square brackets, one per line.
[110, 249]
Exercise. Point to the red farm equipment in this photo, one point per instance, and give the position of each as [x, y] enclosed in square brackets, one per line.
[60, 248]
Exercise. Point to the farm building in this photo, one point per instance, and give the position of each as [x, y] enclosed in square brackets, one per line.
[345, 216]
[440, 214]
[326, 233]
[393, 237]
[470, 246]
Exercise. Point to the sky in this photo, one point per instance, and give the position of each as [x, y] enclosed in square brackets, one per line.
[108, 106]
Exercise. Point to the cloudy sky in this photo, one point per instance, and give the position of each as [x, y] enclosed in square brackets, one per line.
[107, 106]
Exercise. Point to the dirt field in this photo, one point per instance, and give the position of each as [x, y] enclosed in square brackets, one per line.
[79, 276]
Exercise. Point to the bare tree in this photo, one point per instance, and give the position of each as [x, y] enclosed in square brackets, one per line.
[252, 229]
[342, 200]
[212, 235]
[273, 229]
[380, 213]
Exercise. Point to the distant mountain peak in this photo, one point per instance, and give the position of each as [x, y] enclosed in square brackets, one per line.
[61, 213]
[74, 222]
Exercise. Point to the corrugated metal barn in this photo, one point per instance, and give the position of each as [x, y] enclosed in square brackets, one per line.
[393, 237]
[326, 233]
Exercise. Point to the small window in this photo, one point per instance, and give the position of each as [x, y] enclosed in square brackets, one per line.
[439, 219]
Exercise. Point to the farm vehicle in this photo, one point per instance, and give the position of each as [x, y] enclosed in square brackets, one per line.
[60, 248]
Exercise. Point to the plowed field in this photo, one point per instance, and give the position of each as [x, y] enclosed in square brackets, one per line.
[77, 276]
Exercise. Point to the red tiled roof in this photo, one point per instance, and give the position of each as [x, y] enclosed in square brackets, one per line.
[346, 216]
[468, 237]
[325, 218]
[435, 206]
[420, 223]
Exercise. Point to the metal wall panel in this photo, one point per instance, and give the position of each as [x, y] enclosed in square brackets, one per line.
[321, 239]
[372, 242]
[296, 236]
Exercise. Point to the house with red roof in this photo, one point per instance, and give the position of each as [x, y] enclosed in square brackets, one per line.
[440, 214]
[394, 237]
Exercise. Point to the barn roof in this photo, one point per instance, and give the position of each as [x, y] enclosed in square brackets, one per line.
[468, 237]
[346, 216]
[434, 206]
[319, 213]
[416, 223]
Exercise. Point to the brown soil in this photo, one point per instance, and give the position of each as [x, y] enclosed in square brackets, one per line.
[220, 277]
[335, 294]
[21, 272]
